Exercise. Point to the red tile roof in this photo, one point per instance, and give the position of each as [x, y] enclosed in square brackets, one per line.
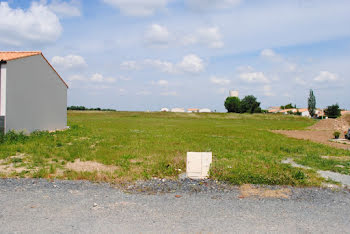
[12, 55]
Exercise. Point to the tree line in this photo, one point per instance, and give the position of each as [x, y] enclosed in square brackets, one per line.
[332, 111]
[83, 108]
[248, 104]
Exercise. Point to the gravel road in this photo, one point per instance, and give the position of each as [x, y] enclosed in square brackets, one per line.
[39, 206]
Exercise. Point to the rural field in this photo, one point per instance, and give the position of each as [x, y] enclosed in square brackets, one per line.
[127, 146]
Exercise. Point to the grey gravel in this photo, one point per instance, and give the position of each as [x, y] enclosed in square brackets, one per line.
[40, 206]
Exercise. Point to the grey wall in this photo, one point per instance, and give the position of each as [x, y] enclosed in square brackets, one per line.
[36, 98]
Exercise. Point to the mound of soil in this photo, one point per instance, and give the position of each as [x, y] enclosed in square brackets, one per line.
[322, 131]
[341, 124]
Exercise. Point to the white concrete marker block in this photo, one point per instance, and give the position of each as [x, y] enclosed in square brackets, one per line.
[198, 164]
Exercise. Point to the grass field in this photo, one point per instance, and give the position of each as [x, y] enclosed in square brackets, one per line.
[146, 145]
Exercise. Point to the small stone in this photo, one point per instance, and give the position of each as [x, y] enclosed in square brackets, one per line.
[182, 176]
[55, 186]
[95, 205]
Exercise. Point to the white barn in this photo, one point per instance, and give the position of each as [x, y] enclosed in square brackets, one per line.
[205, 110]
[178, 110]
[164, 110]
[33, 96]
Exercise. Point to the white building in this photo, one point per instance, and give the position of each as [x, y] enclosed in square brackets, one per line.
[205, 110]
[193, 110]
[179, 110]
[33, 96]
[234, 93]
[164, 110]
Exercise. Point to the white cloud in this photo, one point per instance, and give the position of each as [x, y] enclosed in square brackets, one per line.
[97, 87]
[268, 91]
[210, 37]
[169, 93]
[69, 62]
[36, 25]
[192, 63]
[254, 77]
[268, 53]
[219, 81]
[300, 81]
[122, 91]
[99, 78]
[138, 7]
[129, 65]
[161, 83]
[212, 4]
[163, 66]
[326, 76]
[76, 78]
[273, 56]
[65, 9]
[157, 35]
[243, 69]
[125, 78]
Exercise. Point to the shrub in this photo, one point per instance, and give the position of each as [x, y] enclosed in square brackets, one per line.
[336, 135]
[249, 104]
[233, 104]
[333, 111]
[13, 137]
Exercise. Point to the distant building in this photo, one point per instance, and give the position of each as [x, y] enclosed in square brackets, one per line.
[287, 111]
[274, 109]
[205, 110]
[179, 110]
[345, 112]
[305, 112]
[164, 110]
[192, 110]
[234, 93]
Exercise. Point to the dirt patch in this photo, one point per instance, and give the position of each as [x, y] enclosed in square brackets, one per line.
[11, 168]
[341, 124]
[317, 136]
[90, 166]
[13, 165]
[322, 132]
[337, 158]
[248, 190]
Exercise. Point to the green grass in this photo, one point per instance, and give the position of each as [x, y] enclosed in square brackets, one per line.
[146, 145]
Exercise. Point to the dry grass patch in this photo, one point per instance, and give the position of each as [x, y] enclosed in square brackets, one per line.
[248, 190]
[15, 165]
[90, 166]
[343, 158]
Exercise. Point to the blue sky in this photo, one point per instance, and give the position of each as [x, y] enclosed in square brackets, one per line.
[145, 55]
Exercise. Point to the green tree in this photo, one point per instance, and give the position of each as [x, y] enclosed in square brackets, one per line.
[311, 103]
[288, 106]
[249, 104]
[333, 111]
[233, 104]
